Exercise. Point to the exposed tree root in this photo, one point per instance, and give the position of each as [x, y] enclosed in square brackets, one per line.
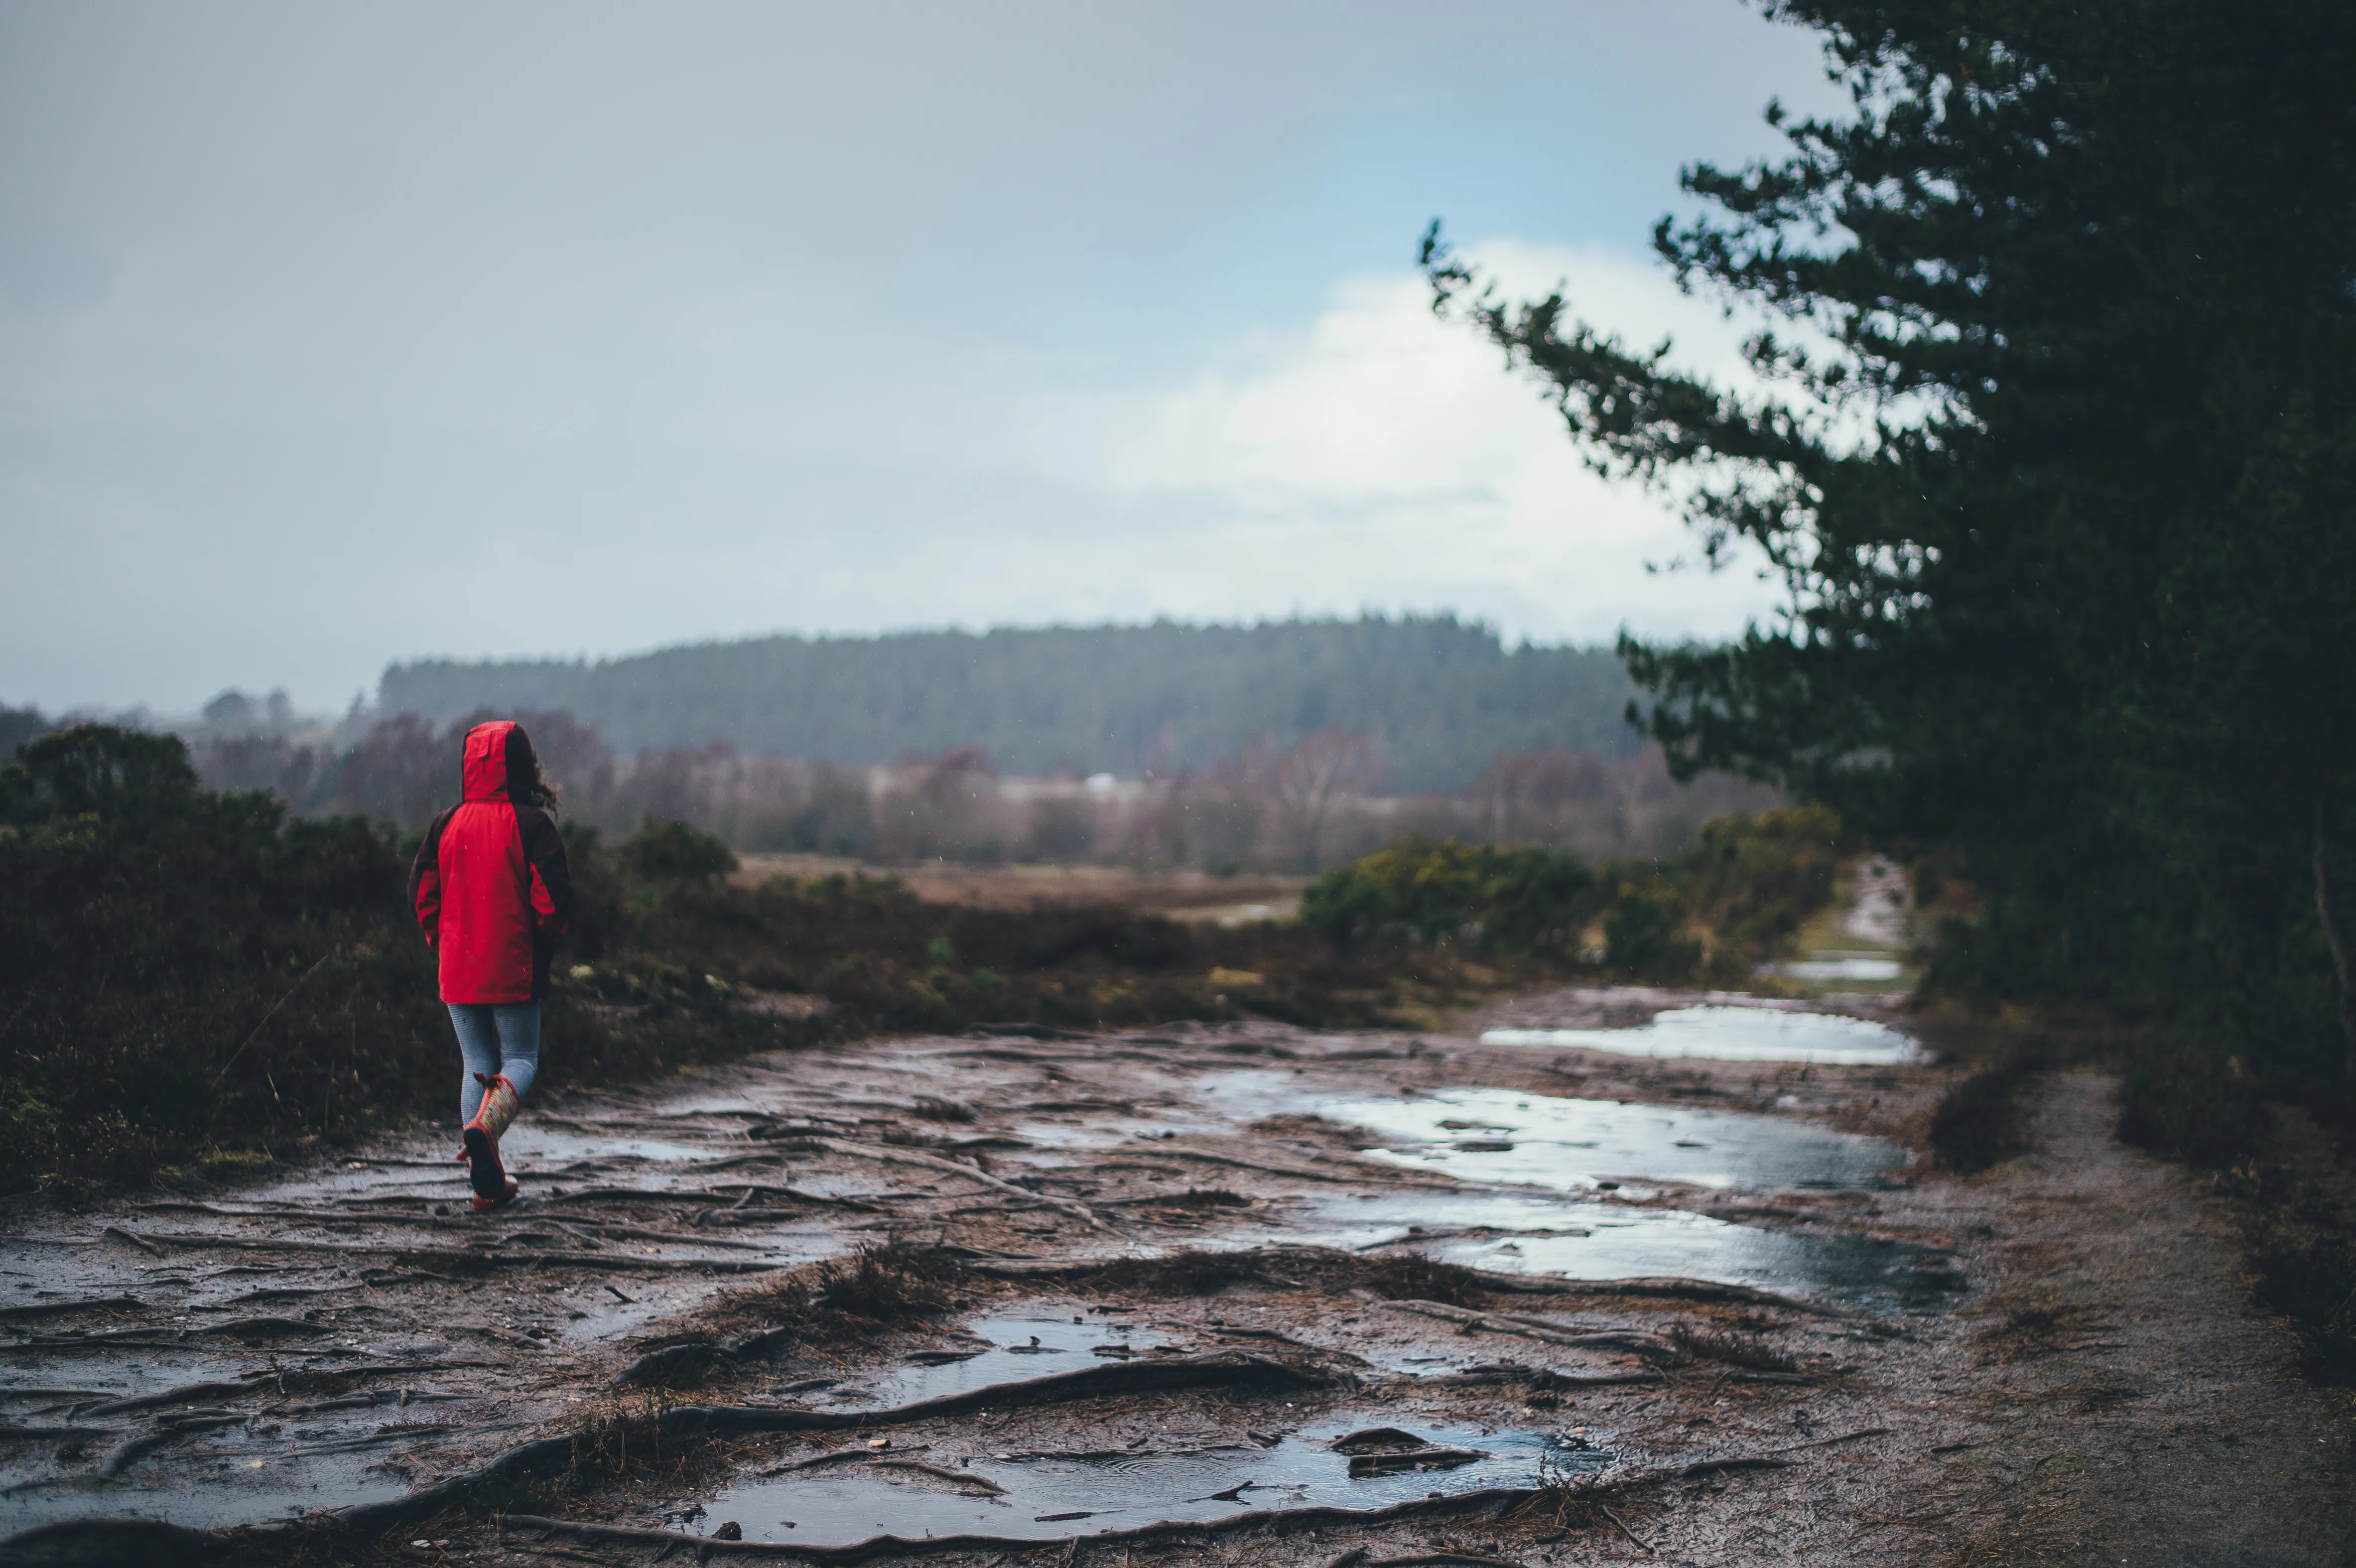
[709, 1194]
[1497, 1323]
[277, 1380]
[468, 1258]
[58, 1308]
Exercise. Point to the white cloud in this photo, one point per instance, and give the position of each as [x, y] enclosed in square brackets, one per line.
[1383, 459]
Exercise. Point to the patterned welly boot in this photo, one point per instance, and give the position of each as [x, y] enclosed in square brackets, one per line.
[493, 1186]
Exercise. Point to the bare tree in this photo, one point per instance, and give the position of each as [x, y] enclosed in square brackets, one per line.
[1306, 781]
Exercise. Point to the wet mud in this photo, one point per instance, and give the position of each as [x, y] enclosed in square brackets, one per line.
[1243, 1290]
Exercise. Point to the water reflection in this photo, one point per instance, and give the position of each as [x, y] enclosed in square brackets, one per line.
[1839, 966]
[1005, 1349]
[1053, 1498]
[1737, 1033]
[1503, 1135]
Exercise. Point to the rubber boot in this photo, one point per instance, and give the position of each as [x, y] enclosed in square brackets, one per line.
[490, 1178]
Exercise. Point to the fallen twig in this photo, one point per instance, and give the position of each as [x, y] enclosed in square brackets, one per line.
[274, 1006]
[1496, 1322]
[940, 1472]
[1631, 1534]
[952, 1167]
[1828, 1442]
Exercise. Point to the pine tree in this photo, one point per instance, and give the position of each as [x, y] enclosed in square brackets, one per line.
[2058, 464]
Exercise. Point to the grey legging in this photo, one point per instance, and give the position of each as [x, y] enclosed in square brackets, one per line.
[495, 1038]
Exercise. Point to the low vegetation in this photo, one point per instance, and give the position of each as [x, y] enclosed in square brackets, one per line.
[2286, 1162]
[882, 1286]
[1980, 1121]
[1715, 910]
[194, 980]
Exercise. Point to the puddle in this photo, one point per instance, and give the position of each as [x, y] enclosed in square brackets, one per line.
[1640, 1244]
[1584, 1239]
[1536, 1139]
[1837, 966]
[1055, 1498]
[360, 1329]
[218, 1486]
[1008, 1348]
[245, 1453]
[1737, 1034]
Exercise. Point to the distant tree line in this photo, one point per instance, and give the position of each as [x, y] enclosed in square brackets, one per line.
[1437, 698]
[1295, 808]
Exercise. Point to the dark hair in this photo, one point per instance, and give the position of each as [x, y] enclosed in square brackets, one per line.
[528, 783]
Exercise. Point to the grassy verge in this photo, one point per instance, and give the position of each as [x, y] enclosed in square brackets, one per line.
[1982, 1121]
[2283, 1151]
[2287, 1160]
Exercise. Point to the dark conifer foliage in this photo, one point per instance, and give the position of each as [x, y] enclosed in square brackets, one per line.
[1441, 698]
[2067, 507]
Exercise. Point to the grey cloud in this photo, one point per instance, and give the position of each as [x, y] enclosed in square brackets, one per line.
[334, 334]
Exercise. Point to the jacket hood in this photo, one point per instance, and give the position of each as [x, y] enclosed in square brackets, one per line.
[485, 771]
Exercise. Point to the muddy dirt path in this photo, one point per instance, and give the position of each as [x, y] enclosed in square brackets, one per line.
[1245, 1293]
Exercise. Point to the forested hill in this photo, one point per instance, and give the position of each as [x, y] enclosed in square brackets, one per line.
[1442, 697]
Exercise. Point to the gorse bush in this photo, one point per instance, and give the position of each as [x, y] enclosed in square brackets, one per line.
[1734, 898]
[674, 852]
[1515, 900]
[1644, 932]
[1753, 881]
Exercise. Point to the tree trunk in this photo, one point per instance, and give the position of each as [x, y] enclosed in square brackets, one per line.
[2331, 938]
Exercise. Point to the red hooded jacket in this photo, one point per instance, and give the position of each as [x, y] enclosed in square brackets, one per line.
[489, 883]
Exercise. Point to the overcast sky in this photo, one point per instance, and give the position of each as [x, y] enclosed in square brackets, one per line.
[333, 335]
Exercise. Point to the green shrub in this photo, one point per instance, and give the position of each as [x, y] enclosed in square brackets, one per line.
[674, 852]
[2186, 1105]
[1644, 934]
[1513, 900]
[1733, 899]
[1753, 881]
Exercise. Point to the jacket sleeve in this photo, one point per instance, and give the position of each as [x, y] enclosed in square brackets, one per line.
[425, 880]
[552, 877]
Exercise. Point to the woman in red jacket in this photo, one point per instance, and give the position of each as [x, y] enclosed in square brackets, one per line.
[492, 894]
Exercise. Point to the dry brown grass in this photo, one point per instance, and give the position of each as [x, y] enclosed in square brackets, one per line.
[883, 1286]
[623, 1439]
